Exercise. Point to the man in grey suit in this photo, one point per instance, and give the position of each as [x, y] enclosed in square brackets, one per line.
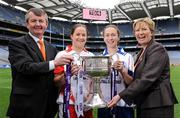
[33, 93]
[151, 89]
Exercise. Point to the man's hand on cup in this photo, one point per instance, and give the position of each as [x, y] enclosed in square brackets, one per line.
[63, 60]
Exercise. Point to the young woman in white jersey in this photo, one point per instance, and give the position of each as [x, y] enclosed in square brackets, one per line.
[79, 37]
[122, 68]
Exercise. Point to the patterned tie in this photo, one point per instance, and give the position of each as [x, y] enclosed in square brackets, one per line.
[42, 48]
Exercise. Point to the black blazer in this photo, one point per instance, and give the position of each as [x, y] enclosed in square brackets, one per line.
[33, 90]
[151, 86]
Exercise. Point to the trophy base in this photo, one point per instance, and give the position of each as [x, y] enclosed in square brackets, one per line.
[96, 102]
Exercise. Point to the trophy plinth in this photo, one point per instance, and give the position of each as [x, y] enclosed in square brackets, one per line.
[97, 67]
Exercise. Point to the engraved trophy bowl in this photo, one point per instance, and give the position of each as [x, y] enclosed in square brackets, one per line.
[96, 67]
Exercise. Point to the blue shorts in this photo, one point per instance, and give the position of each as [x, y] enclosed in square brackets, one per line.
[119, 112]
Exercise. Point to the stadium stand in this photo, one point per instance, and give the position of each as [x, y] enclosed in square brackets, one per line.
[170, 26]
[12, 15]
[4, 63]
[174, 57]
[167, 33]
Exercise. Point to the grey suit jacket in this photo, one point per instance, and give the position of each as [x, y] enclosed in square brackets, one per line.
[33, 90]
[151, 86]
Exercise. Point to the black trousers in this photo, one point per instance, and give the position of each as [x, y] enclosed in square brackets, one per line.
[160, 112]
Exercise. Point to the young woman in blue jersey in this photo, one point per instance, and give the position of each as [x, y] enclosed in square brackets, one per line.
[123, 65]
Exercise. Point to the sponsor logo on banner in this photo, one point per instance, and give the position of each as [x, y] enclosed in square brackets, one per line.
[94, 14]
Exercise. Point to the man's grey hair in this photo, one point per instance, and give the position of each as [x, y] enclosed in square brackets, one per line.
[37, 12]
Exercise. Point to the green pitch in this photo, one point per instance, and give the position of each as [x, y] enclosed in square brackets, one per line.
[175, 80]
[5, 85]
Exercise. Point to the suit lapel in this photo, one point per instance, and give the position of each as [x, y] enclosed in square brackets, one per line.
[47, 50]
[140, 61]
[139, 64]
[33, 45]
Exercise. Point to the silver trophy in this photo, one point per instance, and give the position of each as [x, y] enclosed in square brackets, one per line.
[96, 67]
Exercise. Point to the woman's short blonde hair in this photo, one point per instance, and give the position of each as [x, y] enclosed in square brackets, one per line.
[148, 21]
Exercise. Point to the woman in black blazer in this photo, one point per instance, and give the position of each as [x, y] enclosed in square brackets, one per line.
[151, 89]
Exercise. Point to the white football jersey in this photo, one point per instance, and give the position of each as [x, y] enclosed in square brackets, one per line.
[105, 85]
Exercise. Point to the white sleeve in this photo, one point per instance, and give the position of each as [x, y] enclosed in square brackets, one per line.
[51, 65]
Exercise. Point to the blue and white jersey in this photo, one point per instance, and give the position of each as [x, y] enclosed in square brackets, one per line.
[105, 85]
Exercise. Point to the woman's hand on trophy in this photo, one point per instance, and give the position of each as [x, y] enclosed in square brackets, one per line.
[74, 69]
[114, 101]
[118, 65]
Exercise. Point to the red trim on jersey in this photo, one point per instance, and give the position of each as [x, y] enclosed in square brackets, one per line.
[87, 114]
[69, 48]
[59, 69]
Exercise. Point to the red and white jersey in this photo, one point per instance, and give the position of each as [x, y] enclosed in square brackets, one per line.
[86, 81]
